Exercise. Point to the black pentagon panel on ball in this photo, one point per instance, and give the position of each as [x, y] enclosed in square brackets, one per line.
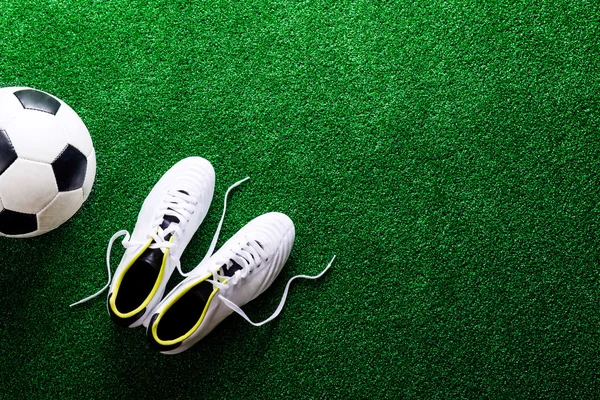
[8, 155]
[32, 99]
[16, 223]
[70, 168]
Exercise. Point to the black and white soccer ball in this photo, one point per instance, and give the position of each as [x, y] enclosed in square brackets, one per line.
[47, 162]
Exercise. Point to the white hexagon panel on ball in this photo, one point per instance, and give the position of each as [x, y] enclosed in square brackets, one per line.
[27, 186]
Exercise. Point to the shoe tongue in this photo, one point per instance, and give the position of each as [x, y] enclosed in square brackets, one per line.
[152, 257]
[170, 219]
[167, 220]
[232, 269]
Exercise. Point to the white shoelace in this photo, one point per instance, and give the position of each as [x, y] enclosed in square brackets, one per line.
[254, 251]
[176, 204]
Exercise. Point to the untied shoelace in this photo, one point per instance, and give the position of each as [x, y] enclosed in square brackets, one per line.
[178, 205]
[257, 254]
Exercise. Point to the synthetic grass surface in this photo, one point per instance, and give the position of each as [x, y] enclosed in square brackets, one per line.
[446, 151]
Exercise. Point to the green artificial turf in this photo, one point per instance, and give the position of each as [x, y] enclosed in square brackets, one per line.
[446, 151]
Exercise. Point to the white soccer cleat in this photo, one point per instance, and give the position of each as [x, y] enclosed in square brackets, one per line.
[237, 273]
[169, 217]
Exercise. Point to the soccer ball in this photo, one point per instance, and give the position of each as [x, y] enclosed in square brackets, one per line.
[47, 162]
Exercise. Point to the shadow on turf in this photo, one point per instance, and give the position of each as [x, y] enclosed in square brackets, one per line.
[234, 345]
[229, 349]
